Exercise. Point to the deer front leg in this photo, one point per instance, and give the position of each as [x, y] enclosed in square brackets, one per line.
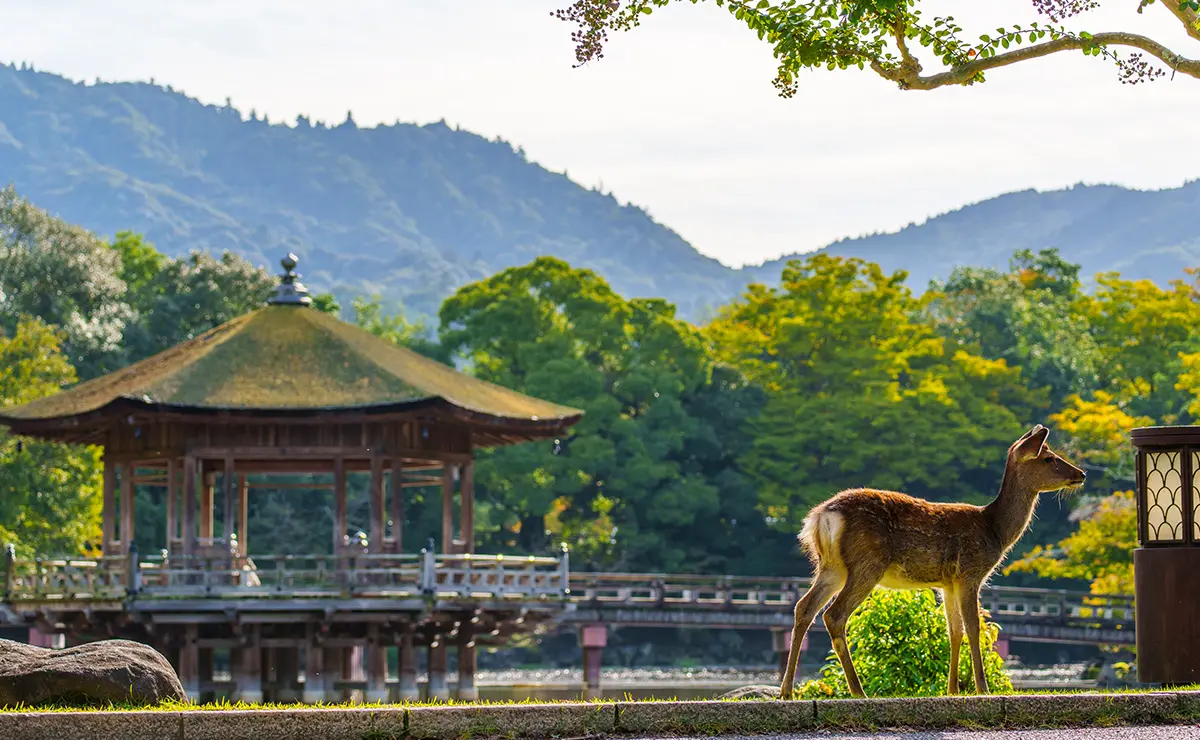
[969, 607]
[954, 625]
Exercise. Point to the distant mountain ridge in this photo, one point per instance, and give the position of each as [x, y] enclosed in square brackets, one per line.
[413, 212]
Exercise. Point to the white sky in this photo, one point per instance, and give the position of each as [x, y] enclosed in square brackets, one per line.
[679, 118]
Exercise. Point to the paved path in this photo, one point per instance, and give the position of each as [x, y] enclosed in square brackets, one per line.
[1180, 732]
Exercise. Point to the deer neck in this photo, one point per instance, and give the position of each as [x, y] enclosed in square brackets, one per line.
[1012, 509]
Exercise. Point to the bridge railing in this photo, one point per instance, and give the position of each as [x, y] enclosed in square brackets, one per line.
[227, 576]
[698, 591]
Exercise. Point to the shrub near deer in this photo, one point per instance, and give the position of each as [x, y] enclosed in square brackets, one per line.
[861, 538]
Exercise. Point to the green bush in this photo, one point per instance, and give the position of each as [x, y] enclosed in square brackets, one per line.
[901, 647]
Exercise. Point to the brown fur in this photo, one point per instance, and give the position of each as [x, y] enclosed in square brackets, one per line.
[862, 537]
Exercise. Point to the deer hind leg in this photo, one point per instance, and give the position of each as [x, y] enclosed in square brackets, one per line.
[954, 624]
[968, 599]
[858, 586]
[827, 582]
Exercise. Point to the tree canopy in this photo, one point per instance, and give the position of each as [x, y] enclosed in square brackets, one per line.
[883, 35]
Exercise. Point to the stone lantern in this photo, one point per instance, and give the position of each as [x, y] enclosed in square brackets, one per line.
[1167, 561]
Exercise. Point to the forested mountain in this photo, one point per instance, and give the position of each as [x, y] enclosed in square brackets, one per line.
[413, 212]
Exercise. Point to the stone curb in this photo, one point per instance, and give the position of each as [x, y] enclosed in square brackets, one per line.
[592, 720]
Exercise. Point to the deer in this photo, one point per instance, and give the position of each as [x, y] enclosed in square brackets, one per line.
[862, 537]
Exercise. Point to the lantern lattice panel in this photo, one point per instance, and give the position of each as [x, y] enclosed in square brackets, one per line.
[1164, 496]
[1196, 496]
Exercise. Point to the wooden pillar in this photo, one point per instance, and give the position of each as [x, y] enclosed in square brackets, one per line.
[108, 522]
[206, 508]
[339, 504]
[377, 505]
[204, 658]
[243, 517]
[467, 494]
[189, 505]
[246, 666]
[466, 668]
[172, 503]
[377, 690]
[229, 486]
[127, 505]
[408, 690]
[447, 507]
[331, 661]
[592, 638]
[314, 670]
[438, 690]
[396, 492]
[287, 674]
[189, 663]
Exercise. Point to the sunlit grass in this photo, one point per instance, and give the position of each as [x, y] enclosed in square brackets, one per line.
[225, 705]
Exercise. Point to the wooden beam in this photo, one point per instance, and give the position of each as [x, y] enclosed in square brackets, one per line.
[339, 504]
[206, 507]
[172, 501]
[108, 519]
[448, 509]
[467, 494]
[127, 505]
[284, 453]
[378, 513]
[243, 518]
[396, 492]
[189, 505]
[229, 483]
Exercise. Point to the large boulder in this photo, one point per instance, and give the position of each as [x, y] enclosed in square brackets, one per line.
[99, 673]
[753, 692]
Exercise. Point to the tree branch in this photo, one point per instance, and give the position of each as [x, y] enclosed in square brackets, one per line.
[1186, 16]
[963, 74]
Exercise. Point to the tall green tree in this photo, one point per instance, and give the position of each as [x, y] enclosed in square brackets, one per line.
[396, 328]
[63, 275]
[645, 479]
[862, 392]
[1025, 316]
[50, 494]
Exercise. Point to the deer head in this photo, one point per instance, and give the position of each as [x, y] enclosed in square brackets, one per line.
[1039, 468]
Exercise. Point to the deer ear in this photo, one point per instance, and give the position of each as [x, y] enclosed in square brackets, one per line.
[1033, 445]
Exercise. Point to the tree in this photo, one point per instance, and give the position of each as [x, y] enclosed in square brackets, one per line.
[1100, 551]
[1025, 316]
[882, 35]
[63, 275]
[645, 480]
[50, 494]
[863, 393]
[396, 328]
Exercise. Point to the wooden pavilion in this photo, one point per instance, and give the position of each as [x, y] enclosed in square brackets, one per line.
[287, 390]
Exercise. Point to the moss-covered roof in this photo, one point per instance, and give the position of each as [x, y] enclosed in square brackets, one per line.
[293, 359]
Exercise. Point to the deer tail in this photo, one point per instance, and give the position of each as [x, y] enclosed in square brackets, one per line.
[820, 535]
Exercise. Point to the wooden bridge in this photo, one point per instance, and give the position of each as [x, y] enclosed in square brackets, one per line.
[739, 602]
[164, 589]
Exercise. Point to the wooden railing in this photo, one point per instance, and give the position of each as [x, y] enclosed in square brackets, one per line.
[658, 590]
[292, 576]
[477, 577]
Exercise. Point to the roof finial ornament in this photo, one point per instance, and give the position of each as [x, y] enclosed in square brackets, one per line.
[290, 291]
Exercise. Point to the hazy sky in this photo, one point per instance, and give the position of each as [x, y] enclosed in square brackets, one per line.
[680, 118]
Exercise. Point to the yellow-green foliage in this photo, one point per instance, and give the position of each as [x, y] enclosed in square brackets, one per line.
[901, 647]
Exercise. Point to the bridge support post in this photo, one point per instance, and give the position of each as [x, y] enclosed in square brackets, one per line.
[287, 674]
[466, 668]
[331, 661]
[438, 690]
[377, 690]
[314, 671]
[408, 668]
[592, 638]
[246, 667]
[189, 664]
